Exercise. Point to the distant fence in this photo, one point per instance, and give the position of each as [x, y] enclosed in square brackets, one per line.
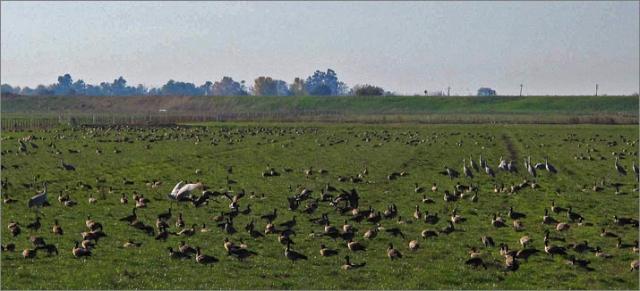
[29, 122]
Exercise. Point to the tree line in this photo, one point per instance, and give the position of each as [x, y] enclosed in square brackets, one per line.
[320, 83]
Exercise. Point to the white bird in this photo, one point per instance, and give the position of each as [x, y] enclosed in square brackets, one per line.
[186, 189]
[39, 199]
[175, 190]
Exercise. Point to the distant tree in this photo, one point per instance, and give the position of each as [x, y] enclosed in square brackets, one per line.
[207, 88]
[228, 87]
[367, 90]
[324, 83]
[64, 86]
[6, 89]
[297, 87]
[266, 86]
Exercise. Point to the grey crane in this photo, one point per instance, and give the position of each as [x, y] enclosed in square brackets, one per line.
[39, 199]
[467, 172]
[619, 168]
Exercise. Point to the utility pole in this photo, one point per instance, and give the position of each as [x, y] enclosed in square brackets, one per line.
[448, 91]
[596, 89]
[521, 90]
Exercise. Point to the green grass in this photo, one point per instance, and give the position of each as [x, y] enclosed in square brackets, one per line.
[351, 105]
[249, 147]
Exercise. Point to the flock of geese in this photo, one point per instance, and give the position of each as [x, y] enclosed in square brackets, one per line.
[347, 209]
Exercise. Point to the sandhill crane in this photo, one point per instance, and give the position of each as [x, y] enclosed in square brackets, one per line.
[40, 199]
[619, 168]
[489, 171]
[503, 164]
[530, 168]
[467, 172]
[473, 164]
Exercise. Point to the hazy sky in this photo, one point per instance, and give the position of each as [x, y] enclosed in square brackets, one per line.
[553, 48]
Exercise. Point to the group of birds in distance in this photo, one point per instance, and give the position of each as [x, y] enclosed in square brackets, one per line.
[347, 208]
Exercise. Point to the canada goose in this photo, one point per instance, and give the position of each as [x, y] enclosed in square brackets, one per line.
[561, 226]
[57, 229]
[572, 216]
[600, 254]
[131, 244]
[511, 263]
[476, 262]
[124, 199]
[427, 233]
[417, 188]
[346, 227]
[456, 218]
[164, 215]
[14, 228]
[7, 199]
[188, 231]
[546, 219]
[92, 224]
[555, 208]
[10, 247]
[414, 245]
[487, 241]
[517, 225]
[467, 172]
[29, 253]
[427, 200]
[204, 259]
[290, 223]
[371, 233]
[448, 197]
[515, 215]
[393, 253]
[92, 200]
[35, 225]
[578, 262]
[473, 252]
[447, 229]
[176, 254]
[431, 218]
[605, 233]
[270, 228]
[580, 247]
[78, 251]
[624, 221]
[163, 234]
[355, 246]
[497, 221]
[185, 248]
[87, 244]
[525, 240]
[348, 265]
[37, 241]
[180, 221]
[130, 218]
[635, 265]
[270, 216]
[434, 188]
[326, 252]
[293, 255]
[554, 250]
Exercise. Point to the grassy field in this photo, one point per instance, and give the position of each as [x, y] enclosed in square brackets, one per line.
[173, 154]
[353, 105]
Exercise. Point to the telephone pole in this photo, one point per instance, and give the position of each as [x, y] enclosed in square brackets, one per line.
[596, 89]
[521, 90]
[448, 91]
